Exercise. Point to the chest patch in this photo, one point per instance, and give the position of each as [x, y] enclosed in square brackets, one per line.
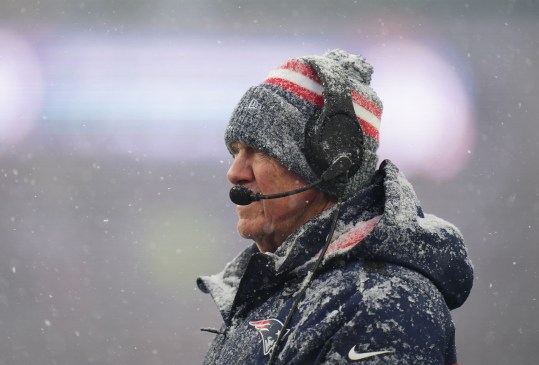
[269, 330]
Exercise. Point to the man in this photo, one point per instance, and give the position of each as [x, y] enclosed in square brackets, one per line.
[349, 270]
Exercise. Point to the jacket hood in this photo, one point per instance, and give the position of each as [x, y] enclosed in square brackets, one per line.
[382, 222]
[422, 242]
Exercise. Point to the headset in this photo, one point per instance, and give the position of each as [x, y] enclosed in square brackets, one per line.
[336, 135]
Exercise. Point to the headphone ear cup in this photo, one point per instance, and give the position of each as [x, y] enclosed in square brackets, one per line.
[336, 133]
[331, 137]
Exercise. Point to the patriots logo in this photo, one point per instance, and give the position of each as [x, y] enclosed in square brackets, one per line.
[269, 330]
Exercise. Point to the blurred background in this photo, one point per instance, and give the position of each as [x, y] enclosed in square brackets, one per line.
[112, 167]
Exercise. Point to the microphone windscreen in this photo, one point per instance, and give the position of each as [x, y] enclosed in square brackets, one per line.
[240, 195]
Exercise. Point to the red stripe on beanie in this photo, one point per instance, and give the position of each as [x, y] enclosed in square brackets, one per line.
[367, 104]
[369, 129]
[303, 69]
[298, 90]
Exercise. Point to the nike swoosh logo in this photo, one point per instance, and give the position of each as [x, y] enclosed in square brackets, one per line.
[355, 356]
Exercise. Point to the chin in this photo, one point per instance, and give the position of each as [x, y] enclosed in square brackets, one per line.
[246, 230]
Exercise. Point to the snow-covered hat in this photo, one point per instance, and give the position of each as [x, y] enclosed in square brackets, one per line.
[271, 117]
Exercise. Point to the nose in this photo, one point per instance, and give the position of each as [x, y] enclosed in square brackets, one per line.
[241, 171]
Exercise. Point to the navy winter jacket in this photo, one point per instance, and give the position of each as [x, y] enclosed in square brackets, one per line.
[382, 296]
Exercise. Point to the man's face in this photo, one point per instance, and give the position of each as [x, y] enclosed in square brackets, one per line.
[270, 222]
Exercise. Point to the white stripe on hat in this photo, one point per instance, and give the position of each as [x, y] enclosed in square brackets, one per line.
[297, 78]
[367, 116]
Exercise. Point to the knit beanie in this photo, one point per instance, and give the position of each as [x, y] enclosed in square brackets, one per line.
[271, 117]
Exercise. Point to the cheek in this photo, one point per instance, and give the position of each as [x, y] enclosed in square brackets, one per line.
[280, 210]
[292, 207]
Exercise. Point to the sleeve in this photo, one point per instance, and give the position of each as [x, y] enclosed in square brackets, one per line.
[394, 324]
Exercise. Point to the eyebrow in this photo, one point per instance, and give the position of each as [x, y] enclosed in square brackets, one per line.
[234, 147]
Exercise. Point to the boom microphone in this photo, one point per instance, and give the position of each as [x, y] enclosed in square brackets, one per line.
[241, 195]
